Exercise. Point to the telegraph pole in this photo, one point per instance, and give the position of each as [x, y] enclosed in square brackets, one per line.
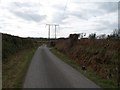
[48, 30]
[48, 33]
[55, 29]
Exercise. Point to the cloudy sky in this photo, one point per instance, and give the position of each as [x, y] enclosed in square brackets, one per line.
[28, 18]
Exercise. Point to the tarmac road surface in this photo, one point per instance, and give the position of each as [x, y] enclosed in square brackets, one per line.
[48, 71]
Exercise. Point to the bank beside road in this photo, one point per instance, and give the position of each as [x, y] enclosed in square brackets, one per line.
[14, 70]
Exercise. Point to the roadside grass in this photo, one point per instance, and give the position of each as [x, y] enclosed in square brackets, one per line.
[14, 70]
[89, 73]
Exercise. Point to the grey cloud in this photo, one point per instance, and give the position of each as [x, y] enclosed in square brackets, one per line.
[101, 28]
[29, 16]
[108, 6]
[60, 18]
[69, 27]
[105, 25]
[24, 4]
[79, 15]
[60, 7]
[61, 14]
[103, 8]
[86, 15]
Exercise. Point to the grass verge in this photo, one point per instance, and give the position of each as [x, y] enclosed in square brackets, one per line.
[104, 83]
[15, 69]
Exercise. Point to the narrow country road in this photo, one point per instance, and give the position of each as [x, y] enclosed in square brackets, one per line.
[48, 71]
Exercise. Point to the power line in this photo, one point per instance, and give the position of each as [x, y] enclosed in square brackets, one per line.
[65, 7]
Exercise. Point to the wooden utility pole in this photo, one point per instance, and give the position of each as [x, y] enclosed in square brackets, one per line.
[48, 30]
[55, 29]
